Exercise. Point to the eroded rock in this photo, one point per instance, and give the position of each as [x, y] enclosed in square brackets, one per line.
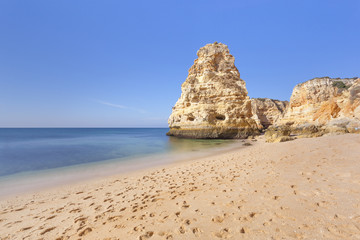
[278, 134]
[214, 101]
[324, 106]
[267, 111]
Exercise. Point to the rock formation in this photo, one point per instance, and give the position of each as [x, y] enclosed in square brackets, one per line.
[278, 134]
[214, 104]
[267, 111]
[323, 105]
[214, 101]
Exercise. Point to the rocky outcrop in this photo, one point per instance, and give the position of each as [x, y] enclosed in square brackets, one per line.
[214, 104]
[324, 105]
[267, 111]
[278, 134]
[214, 101]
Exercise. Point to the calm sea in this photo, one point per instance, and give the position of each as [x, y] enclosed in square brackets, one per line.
[33, 149]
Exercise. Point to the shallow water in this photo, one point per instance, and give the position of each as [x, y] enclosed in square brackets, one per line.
[33, 149]
[36, 159]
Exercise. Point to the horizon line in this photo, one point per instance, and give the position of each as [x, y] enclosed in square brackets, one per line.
[83, 127]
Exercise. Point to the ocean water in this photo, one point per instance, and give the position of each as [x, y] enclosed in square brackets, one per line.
[32, 150]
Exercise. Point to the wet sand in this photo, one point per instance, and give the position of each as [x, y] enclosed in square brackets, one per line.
[303, 189]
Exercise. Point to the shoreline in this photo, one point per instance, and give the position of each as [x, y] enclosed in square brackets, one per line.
[37, 181]
[304, 189]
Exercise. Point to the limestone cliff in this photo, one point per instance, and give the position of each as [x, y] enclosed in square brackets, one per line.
[267, 111]
[324, 105]
[214, 101]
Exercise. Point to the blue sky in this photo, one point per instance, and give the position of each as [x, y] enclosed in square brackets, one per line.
[87, 63]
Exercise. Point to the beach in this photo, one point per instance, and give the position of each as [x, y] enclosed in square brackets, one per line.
[308, 188]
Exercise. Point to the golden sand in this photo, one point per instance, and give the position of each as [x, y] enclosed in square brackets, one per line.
[303, 189]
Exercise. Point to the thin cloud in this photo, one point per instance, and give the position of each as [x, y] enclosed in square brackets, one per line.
[112, 105]
[120, 106]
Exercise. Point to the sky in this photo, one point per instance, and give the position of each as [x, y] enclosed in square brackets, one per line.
[86, 63]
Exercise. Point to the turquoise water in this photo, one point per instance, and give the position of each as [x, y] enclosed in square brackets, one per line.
[34, 149]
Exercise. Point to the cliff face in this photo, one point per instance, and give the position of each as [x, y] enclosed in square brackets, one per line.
[324, 105]
[214, 101]
[267, 111]
[320, 100]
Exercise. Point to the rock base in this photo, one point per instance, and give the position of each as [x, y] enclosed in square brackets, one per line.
[212, 133]
[282, 133]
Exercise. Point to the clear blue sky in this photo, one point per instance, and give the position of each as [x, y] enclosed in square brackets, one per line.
[84, 63]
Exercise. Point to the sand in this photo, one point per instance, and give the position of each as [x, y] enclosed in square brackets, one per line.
[303, 189]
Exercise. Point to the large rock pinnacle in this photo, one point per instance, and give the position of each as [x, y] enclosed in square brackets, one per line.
[214, 101]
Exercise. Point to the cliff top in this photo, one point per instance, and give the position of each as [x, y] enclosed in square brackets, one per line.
[329, 79]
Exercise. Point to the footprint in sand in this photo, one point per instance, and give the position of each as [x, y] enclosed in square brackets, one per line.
[182, 229]
[252, 214]
[185, 205]
[82, 220]
[224, 233]
[25, 228]
[47, 230]
[114, 218]
[218, 219]
[59, 210]
[196, 231]
[75, 210]
[147, 235]
[51, 217]
[19, 209]
[187, 222]
[85, 231]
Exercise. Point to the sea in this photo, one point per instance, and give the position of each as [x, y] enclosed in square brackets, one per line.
[36, 157]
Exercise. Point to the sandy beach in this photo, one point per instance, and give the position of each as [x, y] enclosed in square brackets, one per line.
[302, 189]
